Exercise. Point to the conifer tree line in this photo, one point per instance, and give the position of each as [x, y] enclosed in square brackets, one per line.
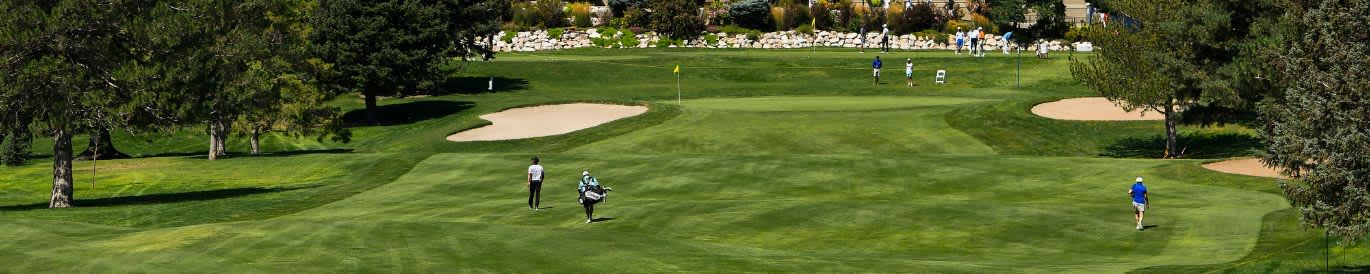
[231, 68]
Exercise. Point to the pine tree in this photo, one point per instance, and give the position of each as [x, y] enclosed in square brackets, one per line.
[1319, 130]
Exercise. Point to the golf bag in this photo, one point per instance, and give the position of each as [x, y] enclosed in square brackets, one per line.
[591, 192]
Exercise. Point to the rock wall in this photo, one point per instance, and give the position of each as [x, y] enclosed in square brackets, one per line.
[539, 40]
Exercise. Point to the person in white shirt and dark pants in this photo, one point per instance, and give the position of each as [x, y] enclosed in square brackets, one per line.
[535, 185]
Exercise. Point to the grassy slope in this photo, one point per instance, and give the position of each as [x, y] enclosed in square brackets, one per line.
[124, 229]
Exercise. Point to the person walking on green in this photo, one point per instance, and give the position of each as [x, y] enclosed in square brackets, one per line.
[1139, 201]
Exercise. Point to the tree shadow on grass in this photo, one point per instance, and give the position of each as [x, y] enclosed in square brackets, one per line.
[163, 198]
[406, 113]
[479, 84]
[1226, 145]
[237, 154]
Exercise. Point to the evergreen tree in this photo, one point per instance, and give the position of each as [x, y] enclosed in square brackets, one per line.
[397, 47]
[63, 66]
[1319, 130]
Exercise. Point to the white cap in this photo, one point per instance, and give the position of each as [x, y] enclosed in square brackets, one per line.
[1139, 179]
[587, 173]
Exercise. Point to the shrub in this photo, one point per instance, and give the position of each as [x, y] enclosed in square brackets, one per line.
[735, 29]
[923, 16]
[508, 36]
[676, 19]
[525, 14]
[752, 14]
[983, 22]
[602, 42]
[606, 31]
[636, 17]
[797, 13]
[667, 42]
[551, 14]
[950, 26]
[894, 18]
[1075, 34]
[754, 35]
[822, 16]
[555, 33]
[778, 18]
[628, 39]
[934, 34]
[580, 14]
[711, 39]
[805, 28]
[620, 7]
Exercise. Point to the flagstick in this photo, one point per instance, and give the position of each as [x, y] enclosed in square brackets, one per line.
[677, 88]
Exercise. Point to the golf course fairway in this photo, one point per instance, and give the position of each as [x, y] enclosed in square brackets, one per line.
[773, 161]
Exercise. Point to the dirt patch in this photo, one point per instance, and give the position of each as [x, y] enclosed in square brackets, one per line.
[1091, 109]
[539, 121]
[1246, 166]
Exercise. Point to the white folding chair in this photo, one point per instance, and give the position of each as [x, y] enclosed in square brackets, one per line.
[941, 76]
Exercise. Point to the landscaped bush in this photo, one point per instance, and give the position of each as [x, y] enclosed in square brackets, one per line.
[628, 39]
[983, 22]
[923, 16]
[667, 42]
[603, 42]
[525, 14]
[805, 29]
[508, 36]
[1075, 34]
[752, 14]
[620, 7]
[934, 34]
[894, 18]
[711, 39]
[551, 14]
[676, 19]
[951, 25]
[606, 31]
[635, 17]
[580, 14]
[778, 18]
[555, 33]
[822, 16]
[735, 30]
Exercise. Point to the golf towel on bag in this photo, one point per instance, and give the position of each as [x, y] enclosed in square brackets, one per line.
[590, 190]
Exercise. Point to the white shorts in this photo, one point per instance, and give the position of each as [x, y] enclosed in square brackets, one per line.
[1138, 207]
[908, 73]
[876, 73]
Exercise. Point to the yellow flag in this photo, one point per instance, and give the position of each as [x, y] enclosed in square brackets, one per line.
[677, 69]
[813, 23]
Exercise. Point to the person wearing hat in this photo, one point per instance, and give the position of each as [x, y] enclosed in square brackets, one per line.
[885, 38]
[1139, 201]
[534, 185]
[585, 182]
[960, 40]
[908, 71]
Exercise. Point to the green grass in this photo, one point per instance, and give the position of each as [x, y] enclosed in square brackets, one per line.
[776, 161]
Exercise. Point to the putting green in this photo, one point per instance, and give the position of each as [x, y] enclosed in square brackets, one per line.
[825, 103]
[803, 125]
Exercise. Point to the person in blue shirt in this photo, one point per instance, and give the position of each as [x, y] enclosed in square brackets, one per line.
[1006, 42]
[1139, 201]
[877, 64]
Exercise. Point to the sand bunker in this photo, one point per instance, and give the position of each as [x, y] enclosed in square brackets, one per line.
[1248, 166]
[539, 121]
[1091, 109]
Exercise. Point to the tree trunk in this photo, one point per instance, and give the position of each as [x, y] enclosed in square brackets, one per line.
[218, 134]
[1170, 123]
[101, 147]
[370, 108]
[256, 149]
[61, 170]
